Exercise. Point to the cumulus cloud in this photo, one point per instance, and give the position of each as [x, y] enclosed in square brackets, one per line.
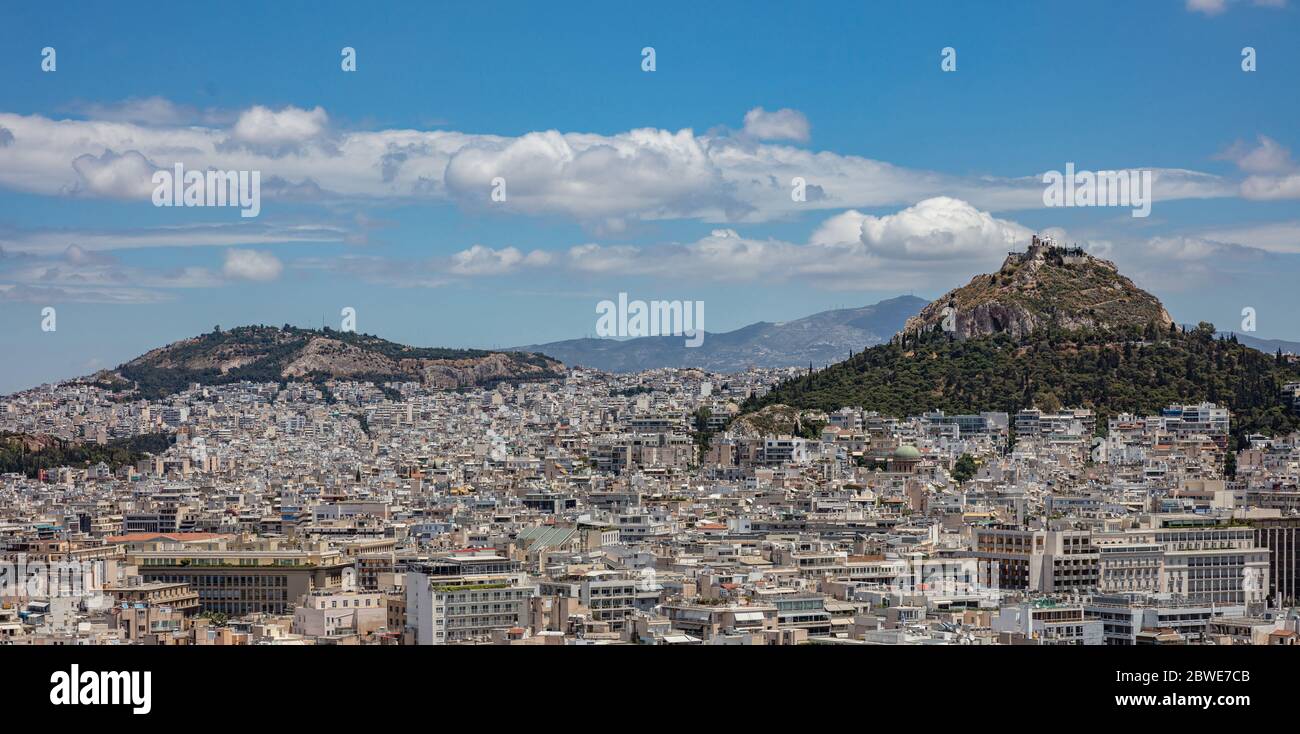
[941, 228]
[125, 176]
[601, 181]
[279, 131]
[843, 227]
[647, 173]
[783, 124]
[252, 265]
[480, 260]
[917, 246]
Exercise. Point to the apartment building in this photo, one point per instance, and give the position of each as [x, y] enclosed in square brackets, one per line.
[1205, 561]
[1047, 623]
[708, 623]
[609, 597]
[347, 610]
[1126, 617]
[464, 595]
[1047, 561]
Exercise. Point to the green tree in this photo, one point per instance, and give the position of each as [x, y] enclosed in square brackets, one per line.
[964, 468]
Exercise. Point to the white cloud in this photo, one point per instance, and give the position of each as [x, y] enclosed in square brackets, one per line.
[783, 124]
[252, 265]
[920, 246]
[264, 129]
[1274, 174]
[601, 181]
[125, 176]
[79, 275]
[941, 228]
[1271, 187]
[480, 260]
[843, 227]
[1279, 237]
[1266, 156]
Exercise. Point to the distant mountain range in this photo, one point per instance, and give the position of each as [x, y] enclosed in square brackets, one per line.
[819, 339]
[1264, 345]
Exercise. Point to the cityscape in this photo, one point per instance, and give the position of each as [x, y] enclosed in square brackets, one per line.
[942, 349]
[660, 507]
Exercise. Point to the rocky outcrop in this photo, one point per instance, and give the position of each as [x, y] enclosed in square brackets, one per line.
[1044, 286]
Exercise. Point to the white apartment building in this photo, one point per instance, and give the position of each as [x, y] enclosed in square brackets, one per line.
[464, 596]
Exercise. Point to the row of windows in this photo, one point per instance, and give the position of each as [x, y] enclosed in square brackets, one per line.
[334, 603]
[225, 581]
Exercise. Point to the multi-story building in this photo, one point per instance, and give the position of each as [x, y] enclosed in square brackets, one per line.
[1281, 535]
[463, 596]
[1048, 561]
[343, 611]
[238, 582]
[1046, 622]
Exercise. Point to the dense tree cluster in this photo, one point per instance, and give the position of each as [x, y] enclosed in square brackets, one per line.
[16, 455]
[1131, 370]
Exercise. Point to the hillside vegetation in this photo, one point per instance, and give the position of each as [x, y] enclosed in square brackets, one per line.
[1110, 371]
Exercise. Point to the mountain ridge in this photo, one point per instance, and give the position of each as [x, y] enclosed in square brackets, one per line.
[819, 338]
[262, 353]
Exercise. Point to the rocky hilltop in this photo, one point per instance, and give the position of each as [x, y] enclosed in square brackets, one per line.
[1044, 286]
[276, 354]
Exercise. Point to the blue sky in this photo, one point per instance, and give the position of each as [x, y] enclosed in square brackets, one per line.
[666, 184]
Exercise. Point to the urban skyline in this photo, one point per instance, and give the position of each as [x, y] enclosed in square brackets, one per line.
[855, 325]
